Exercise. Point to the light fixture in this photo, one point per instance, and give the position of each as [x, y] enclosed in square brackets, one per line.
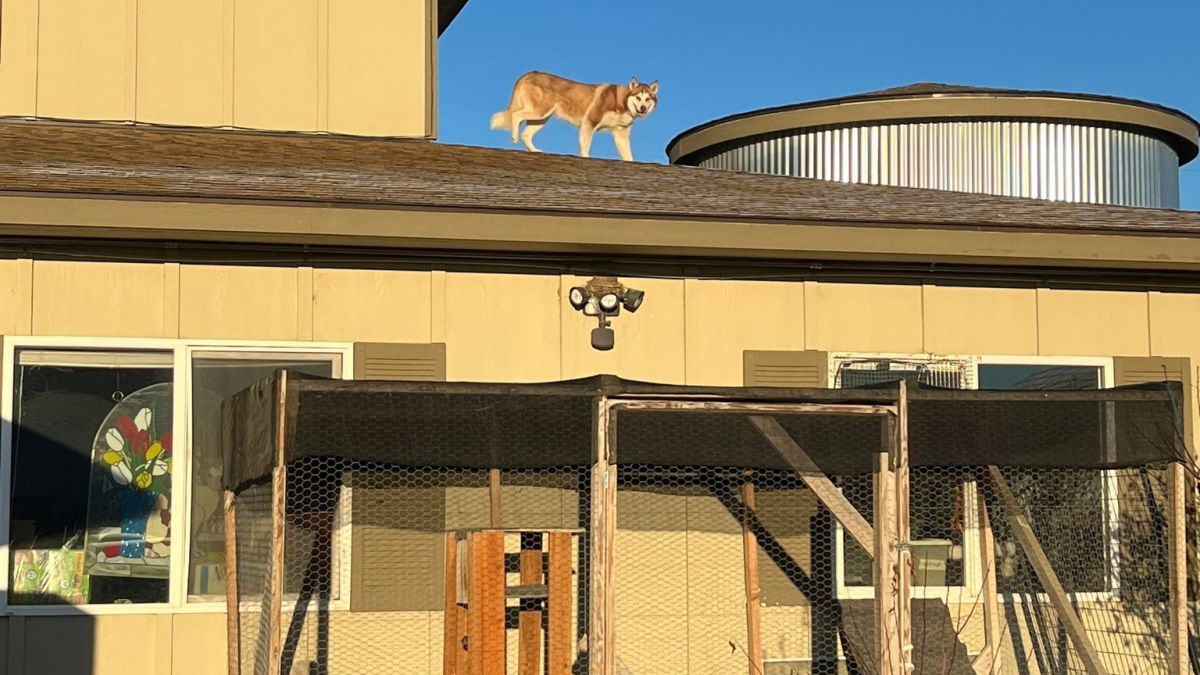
[633, 299]
[578, 297]
[603, 298]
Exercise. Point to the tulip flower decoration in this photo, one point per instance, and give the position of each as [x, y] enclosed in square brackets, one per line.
[135, 457]
[138, 462]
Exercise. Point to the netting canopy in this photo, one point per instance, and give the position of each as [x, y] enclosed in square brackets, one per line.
[610, 527]
[537, 426]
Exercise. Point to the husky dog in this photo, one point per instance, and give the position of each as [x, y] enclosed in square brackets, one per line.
[539, 96]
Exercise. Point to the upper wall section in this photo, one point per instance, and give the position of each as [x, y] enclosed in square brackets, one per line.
[362, 67]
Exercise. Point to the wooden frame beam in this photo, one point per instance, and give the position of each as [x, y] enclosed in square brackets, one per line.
[829, 494]
[1177, 562]
[529, 622]
[887, 630]
[988, 661]
[903, 535]
[233, 614]
[278, 531]
[601, 655]
[559, 645]
[750, 565]
[1059, 599]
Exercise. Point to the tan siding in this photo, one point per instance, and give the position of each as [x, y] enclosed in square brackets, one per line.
[18, 58]
[275, 64]
[377, 61]
[198, 644]
[502, 328]
[967, 320]
[649, 343]
[258, 303]
[98, 299]
[1175, 331]
[371, 305]
[10, 300]
[90, 645]
[83, 68]
[863, 317]
[1092, 323]
[725, 318]
[180, 52]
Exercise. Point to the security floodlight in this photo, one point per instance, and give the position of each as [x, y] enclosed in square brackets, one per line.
[603, 298]
[633, 299]
[578, 297]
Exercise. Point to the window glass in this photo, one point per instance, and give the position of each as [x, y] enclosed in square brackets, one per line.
[1069, 507]
[91, 483]
[216, 376]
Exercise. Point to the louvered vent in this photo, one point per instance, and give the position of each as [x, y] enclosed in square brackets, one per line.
[1129, 370]
[807, 369]
[399, 362]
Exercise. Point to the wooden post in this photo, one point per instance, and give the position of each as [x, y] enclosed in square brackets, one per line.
[601, 657]
[1177, 562]
[559, 645]
[494, 493]
[887, 644]
[750, 564]
[278, 531]
[988, 661]
[488, 646]
[1023, 532]
[529, 622]
[233, 616]
[450, 642]
[904, 566]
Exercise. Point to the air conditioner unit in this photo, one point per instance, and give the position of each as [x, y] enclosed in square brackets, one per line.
[856, 371]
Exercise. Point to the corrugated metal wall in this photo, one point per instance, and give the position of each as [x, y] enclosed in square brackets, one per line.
[1042, 160]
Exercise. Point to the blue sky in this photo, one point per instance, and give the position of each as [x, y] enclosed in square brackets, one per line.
[716, 58]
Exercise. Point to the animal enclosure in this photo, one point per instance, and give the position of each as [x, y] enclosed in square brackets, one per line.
[602, 527]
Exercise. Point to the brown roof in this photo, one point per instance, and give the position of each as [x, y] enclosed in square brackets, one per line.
[203, 165]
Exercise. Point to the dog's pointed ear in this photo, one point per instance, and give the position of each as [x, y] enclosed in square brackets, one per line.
[632, 82]
[654, 87]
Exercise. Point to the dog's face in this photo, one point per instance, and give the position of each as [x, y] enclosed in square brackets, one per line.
[642, 98]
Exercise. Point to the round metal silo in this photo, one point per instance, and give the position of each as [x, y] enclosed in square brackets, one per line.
[1043, 145]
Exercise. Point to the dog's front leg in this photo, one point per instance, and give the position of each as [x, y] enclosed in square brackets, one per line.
[586, 131]
[621, 139]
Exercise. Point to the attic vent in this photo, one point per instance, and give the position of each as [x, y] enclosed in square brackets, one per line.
[862, 373]
[399, 362]
[806, 369]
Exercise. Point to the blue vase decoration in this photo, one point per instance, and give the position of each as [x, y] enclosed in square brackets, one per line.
[135, 511]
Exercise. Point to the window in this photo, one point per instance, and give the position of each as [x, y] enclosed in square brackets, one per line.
[92, 492]
[214, 377]
[115, 470]
[1078, 523]
[944, 535]
[942, 556]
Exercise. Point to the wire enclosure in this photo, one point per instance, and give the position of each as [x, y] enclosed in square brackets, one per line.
[602, 526]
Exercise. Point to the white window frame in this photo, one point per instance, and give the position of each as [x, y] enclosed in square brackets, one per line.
[972, 565]
[970, 554]
[182, 351]
[1112, 500]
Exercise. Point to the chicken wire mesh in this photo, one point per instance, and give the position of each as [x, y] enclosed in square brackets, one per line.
[703, 498]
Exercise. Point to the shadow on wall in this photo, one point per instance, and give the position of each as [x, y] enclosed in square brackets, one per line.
[64, 644]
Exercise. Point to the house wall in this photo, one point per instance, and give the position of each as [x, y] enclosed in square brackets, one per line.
[519, 328]
[356, 66]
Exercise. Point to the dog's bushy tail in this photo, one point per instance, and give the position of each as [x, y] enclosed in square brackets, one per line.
[502, 120]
